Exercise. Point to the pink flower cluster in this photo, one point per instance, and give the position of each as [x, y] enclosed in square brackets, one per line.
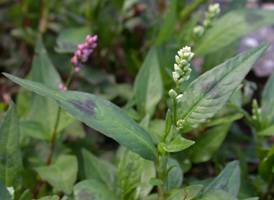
[83, 52]
[62, 87]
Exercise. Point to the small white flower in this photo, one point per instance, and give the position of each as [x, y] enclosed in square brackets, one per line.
[176, 76]
[179, 97]
[180, 123]
[172, 93]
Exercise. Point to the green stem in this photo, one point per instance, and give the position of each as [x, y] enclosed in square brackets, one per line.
[269, 189]
[54, 133]
[53, 138]
[186, 13]
[160, 167]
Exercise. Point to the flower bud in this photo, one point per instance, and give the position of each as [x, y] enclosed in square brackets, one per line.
[176, 76]
[177, 59]
[172, 93]
[179, 97]
[180, 123]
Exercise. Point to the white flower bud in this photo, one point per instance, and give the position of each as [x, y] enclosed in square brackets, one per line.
[172, 93]
[177, 59]
[190, 57]
[186, 78]
[178, 70]
[179, 97]
[188, 72]
[180, 123]
[176, 76]
[186, 67]
[183, 62]
[180, 81]
[186, 54]
[180, 53]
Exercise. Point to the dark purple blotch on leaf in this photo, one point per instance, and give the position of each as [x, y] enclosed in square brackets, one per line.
[86, 106]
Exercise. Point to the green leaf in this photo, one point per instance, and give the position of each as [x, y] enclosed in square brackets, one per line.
[229, 179]
[206, 95]
[155, 182]
[145, 188]
[99, 114]
[68, 39]
[187, 193]
[148, 84]
[268, 101]
[174, 178]
[253, 198]
[10, 155]
[178, 144]
[216, 194]
[209, 143]
[26, 195]
[4, 194]
[266, 166]
[34, 129]
[101, 170]
[92, 189]
[61, 174]
[130, 170]
[44, 110]
[269, 131]
[55, 197]
[231, 27]
[224, 120]
[169, 23]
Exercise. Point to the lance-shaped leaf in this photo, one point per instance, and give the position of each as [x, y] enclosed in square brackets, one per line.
[216, 194]
[148, 84]
[229, 179]
[92, 189]
[205, 96]
[99, 114]
[61, 174]
[187, 193]
[231, 27]
[10, 154]
[4, 194]
[178, 144]
[268, 101]
[101, 170]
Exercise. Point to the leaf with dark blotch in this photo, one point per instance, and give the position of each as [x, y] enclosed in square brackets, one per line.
[205, 96]
[99, 114]
[10, 154]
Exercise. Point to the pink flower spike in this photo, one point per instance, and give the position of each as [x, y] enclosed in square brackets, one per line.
[95, 37]
[77, 69]
[94, 45]
[81, 47]
[78, 53]
[73, 60]
[65, 88]
[88, 38]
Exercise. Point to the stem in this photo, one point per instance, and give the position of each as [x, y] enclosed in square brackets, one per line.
[53, 138]
[189, 10]
[269, 188]
[161, 166]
